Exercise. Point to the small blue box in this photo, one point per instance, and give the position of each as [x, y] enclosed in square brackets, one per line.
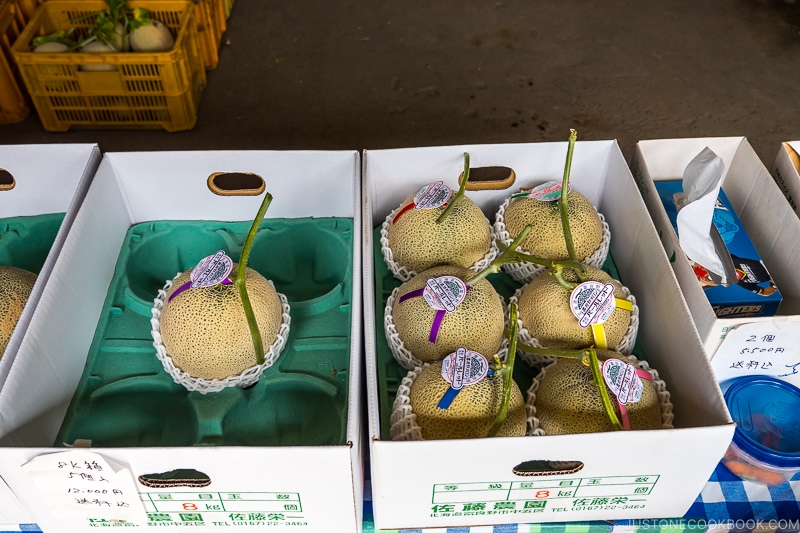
[754, 293]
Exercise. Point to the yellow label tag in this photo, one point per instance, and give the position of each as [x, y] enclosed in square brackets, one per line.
[621, 303]
[599, 336]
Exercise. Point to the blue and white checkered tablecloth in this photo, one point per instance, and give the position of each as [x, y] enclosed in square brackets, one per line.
[727, 498]
[726, 503]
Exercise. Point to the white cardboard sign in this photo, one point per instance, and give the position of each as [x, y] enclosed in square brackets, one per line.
[79, 484]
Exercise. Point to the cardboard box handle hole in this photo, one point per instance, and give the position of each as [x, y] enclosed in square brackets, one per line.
[7, 181]
[236, 184]
[543, 467]
[482, 178]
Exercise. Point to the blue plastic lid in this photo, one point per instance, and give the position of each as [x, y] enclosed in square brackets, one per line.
[767, 415]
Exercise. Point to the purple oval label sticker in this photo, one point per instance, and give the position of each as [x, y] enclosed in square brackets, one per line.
[432, 196]
[623, 381]
[464, 367]
[592, 302]
[549, 191]
[445, 293]
[211, 270]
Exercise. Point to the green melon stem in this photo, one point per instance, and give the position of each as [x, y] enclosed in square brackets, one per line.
[459, 195]
[587, 356]
[601, 387]
[509, 255]
[563, 202]
[240, 283]
[507, 371]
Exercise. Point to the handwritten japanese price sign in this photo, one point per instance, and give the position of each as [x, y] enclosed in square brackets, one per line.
[80, 484]
[760, 348]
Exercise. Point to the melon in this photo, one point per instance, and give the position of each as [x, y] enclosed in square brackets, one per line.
[15, 289]
[547, 238]
[567, 399]
[472, 411]
[205, 331]
[545, 312]
[476, 323]
[418, 242]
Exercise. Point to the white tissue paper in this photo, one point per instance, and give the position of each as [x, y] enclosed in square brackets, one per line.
[701, 184]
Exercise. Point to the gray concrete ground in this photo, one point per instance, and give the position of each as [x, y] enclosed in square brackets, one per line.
[353, 74]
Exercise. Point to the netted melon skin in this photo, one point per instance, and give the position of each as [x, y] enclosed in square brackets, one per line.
[205, 331]
[418, 242]
[568, 401]
[477, 324]
[545, 313]
[472, 412]
[15, 289]
[546, 238]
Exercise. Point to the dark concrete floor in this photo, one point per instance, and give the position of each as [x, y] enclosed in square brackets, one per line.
[314, 74]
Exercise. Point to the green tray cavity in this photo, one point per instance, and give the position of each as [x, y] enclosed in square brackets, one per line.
[26, 241]
[391, 374]
[125, 398]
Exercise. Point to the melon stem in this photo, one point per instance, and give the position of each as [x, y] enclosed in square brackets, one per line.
[563, 202]
[507, 371]
[459, 194]
[239, 282]
[589, 357]
[509, 255]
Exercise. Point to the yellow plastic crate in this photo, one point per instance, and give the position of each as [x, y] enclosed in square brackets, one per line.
[210, 16]
[211, 24]
[28, 7]
[13, 98]
[153, 90]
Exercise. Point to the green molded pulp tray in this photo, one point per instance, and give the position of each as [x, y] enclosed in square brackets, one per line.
[25, 241]
[391, 374]
[125, 398]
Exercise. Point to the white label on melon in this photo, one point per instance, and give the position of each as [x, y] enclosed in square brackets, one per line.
[432, 196]
[464, 367]
[211, 270]
[621, 378]
[592, 302]
[445, 293]
[547, 192]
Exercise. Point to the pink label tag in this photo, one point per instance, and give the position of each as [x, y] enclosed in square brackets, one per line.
[432, 196]
[623, 381]
[211, 270]
[464, 367]
[592, 302]
[547, 192]
[445, 293]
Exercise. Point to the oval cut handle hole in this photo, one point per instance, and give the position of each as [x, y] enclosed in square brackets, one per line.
[7, 181]
[236, 184]
[489, 178]
[542, 467]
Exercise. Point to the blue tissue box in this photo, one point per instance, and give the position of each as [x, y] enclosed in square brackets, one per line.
[752, 292]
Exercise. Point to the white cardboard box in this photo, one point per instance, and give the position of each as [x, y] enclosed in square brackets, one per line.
[324, 484]
[786, 172]
[48, 178]
[761, 206]
[436, 484]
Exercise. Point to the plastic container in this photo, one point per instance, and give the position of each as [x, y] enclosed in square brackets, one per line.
[13, 97]
[125, 398]
[766, 444]
[158, 90]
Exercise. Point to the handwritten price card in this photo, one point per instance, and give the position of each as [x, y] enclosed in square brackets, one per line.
[760, 348]
[80, 484]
